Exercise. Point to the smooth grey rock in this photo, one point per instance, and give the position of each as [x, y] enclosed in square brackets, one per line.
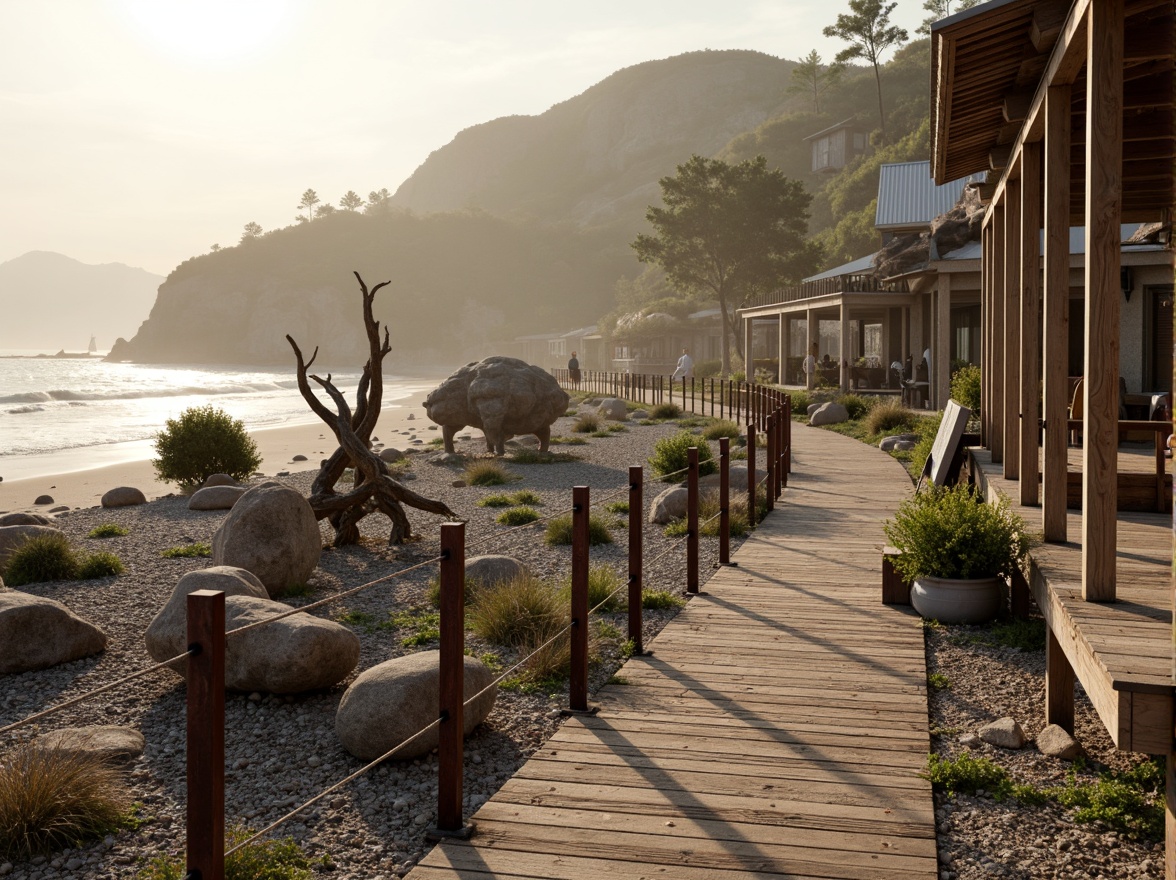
[215, 498]
[447, 458]
[887, 443]
[123, 496]
[613, 409]
[970, 740]
[219, 480]
[813, 407]
[109, 742]
[393, 700]
[272, 532]
[503, 397]
[829, 414]
[1057, 743]
[36, 633]
[1003, 732]
[299, 458]
[738, 479]
[904, 445]
[25, 519]
[390, 454]
[492, 569]
[12, 537]
[640, 414]
[44, 499]
[167, 629]
[61, 508]
[669, 506]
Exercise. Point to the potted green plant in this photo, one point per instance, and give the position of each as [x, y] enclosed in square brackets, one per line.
[956, 551]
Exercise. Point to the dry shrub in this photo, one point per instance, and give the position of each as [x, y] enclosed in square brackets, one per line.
[487, 473]
[889, 416]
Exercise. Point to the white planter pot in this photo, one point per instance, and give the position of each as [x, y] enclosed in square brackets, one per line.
[957, 601]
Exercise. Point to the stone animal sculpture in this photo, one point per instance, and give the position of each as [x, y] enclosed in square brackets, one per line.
[502, 396]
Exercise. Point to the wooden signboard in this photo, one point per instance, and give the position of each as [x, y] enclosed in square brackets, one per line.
[947, 442]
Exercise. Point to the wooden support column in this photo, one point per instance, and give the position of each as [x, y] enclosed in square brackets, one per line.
[1057, 311]
[1059, 685]
[941, 348]
[748, 361]
[843, 345]
[782, 349]
[1011, 264]
[1030, 283]
[810, 379]
[996, 304]
[985, 331]
[1104, 196]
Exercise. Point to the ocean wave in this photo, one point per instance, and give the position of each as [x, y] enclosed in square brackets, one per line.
[30, 408]
[68, 396]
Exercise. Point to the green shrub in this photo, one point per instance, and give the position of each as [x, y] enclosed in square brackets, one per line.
[926, 428]
[857, 405]
[187, 551]
[605, 585]
[951, 533]
[204, 441]
[670, 455]
[108, 530]
[559, 530]
[53, 799]
[424, 626]
[512, 612]
[665, 411]
[487, 473]
[965, 387]
[800, 403]
[526, 496]
[44, 558]
[660, 600]
[99, 565]
[965, 774]
[889, 416]
[517, 516]
[263, 860]
[1119, 801]
[587, 423]
[495, 501]
[722, 428]
[938, 681]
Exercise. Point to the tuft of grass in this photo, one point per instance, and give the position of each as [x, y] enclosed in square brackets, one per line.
[723, 428]
[889, 416]
[50, 800]
[108, 530]
[424, 626]
[99, 565]
[298, 591]
[965, 774]
[738, 524]
[496, 501]
[1130, 802]
[360, 619]
[661, 600]
[568, 441]
[187, 551]
[526, 496]
[1026, 634]
[605, 588]
[587, 423]
[487, 473]
[670, 455]
[621, 508]
[517, 516]
[40, 559]
[665, 411]
[262, 860]
[559, 530]
[938, 681]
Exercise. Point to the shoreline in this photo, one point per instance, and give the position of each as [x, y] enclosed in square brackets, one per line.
[278, 445]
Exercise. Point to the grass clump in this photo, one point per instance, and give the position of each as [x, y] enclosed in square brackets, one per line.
[100, 565]
[621, 508]
[605, 589]
[587, 423]
[559, 530]
[660, 600]
[938, 681]
[187, 551]
[424, 626]
[496, 501]
[889, 416]
[262, 860]
[568, 441]
[966, 775]
[487, 473]
[108, 530]
[44, 558]
[670, 454]
[53, 799]
[1026, 634]
[1130, 801]
[857, 405]
[517, 516]
[204, 441]
[722, 428]
[665, 411]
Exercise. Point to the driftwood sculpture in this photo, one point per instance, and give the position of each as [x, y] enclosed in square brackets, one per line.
[375, 489]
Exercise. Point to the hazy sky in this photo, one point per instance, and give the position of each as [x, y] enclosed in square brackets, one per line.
[143, 131]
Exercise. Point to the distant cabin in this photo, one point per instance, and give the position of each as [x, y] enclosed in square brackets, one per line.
[837, 145]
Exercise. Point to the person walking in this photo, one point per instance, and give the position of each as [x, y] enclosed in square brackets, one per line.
[685, 367]
[574, 370]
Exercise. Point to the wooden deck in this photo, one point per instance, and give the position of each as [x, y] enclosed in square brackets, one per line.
[1120, 651]
[778, 729]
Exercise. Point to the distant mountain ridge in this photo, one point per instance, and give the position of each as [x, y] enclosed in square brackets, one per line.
[50, 301]
[595, 159]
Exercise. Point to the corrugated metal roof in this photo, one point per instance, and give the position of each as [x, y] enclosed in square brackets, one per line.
[971, 251]
[907, 196]
[852, 122]
[855, 267]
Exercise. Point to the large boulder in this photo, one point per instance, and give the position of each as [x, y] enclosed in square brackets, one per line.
[13, 537]
[391, 454]
[737, 477]
[490, 569]
[219, 480]
[502, 396]
[669, 506]
[295, 654]
[395, 699]
[36, 633]
[614, 409]
[123, 496]
[271, 531]
[829, 414]
[215, 498]
[25, 519]
[107, 742]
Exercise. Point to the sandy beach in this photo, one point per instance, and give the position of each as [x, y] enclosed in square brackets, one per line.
[399, 423]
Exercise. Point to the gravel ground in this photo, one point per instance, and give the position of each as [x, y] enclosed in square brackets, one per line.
[281, 751]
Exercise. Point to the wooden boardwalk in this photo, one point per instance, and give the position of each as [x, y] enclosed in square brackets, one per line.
[778, 730]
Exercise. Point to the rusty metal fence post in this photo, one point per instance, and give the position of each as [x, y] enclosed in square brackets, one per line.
[581, 509]
[692, 520]
[769, 463]
[450, 750]
[751, 508]
[206, 735]
[636, 538]
[724, 501]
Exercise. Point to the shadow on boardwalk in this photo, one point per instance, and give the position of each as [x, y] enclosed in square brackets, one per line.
[777, 730]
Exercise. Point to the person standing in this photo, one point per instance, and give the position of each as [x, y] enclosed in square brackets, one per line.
[685, 367]
[574, 370]
[810, 370]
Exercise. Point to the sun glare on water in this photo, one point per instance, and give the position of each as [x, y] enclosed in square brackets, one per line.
[208, 31]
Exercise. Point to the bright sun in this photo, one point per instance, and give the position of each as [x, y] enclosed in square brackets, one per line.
[208, 31]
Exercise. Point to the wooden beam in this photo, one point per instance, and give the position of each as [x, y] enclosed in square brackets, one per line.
[1030, 286]
[1048, 19]
[1104, 149]
[942, 346]
[1016, 106]
[985, 330]
[1057, 311]
[997, 302]
[1010, 265]
[998, 156]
